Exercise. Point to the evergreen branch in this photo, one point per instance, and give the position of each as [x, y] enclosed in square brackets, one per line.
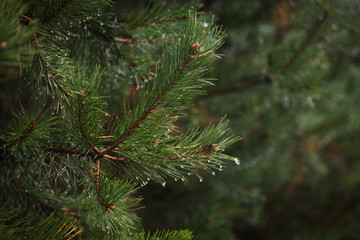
[307, 41]
[158, 22]
[43, 61]
[52, 75]
[22, 137]
[146, 113]
[32, 196]
[83, 132]
[188, 155]
[56, 12]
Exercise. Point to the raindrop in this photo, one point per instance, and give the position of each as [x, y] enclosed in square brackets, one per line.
[237, 161]
[164, 183]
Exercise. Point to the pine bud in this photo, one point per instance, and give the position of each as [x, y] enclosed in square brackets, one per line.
[195, 46]
[110, 208]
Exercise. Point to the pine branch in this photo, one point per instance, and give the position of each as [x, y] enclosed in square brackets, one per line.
[139, 41]
[22, 137]
[187, 155]
[52, 75]
[43, 61]
[83, 132]
[146, 113]
[56, 11]
[32, 196]
[307, 41]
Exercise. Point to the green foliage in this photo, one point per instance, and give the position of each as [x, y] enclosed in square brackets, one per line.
[160, 235]
[79, 143]
[13, 36]
[15, 226]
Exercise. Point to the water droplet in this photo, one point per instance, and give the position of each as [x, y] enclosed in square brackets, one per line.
[164, 183]
[237, 161]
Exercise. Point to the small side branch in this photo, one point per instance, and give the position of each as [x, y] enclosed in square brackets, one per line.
[84, 134]
[43, 61]
[307, 41]
[158, 22]
[23, 136]
[56, 12]
[188, 155]
[138, 41]
[98, 190]
[32, 196]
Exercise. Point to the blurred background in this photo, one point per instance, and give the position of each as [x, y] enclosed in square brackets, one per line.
[289, 83]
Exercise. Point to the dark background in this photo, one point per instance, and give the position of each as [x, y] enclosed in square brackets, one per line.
[289, 83]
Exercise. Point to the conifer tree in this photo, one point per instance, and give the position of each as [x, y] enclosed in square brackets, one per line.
[90, 98]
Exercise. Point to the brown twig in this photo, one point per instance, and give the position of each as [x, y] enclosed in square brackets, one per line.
[187, 155]
[133, 41]
[97, 182]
